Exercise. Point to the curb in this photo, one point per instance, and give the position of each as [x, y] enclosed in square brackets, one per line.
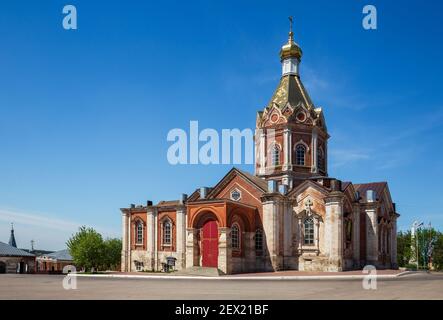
[255, 278]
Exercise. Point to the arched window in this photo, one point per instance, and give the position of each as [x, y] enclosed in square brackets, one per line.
[235, 237]
[139, 232]
[309, 231]
[259, 240]
[167, 232]
[348, 231]
[275, 155]
[320, 159]
[300, 152]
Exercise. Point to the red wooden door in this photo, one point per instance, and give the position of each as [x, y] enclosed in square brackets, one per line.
[210, 244]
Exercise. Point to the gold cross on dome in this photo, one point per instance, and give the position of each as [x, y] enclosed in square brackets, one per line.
[290, 23]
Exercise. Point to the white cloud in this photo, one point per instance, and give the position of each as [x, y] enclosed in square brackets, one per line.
[48, 232]
[37, 220]
[342, 157]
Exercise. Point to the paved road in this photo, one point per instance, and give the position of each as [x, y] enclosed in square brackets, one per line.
[415, 286]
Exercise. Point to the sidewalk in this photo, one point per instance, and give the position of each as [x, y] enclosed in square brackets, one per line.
[279, 275]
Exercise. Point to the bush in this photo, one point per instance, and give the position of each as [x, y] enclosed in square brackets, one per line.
[411, 267]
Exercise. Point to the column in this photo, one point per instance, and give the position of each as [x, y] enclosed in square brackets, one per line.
[150, 234]
[128, 241]
[371, 235]
[262, 151]
[290, 150]
[224, 250]
[394, 263]
[181, 237]
[287, 228]
[356, 236]
[124, 256]
[334, 231]
[157, 266]
[271, 226]
[256, 152]
[326, 157]
[317, 233]
[191, 248]
[299, 234]
[314, 151]
[286, 149]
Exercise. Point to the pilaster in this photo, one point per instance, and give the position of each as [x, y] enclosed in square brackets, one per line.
[181, 237]
[262, 151]
[224, 250]
[314, 144]
[191, 248]
[271, 224]
[125, 244]
[150, 234]
[356, 236]
[394, 262]
[371, 235]
[334, 230]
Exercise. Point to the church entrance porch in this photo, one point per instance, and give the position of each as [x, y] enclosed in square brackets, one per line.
[209, 244]
[208, 236]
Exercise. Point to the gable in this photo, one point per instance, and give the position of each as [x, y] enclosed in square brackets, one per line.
[305, 185]
[249, 192]
[314, 194]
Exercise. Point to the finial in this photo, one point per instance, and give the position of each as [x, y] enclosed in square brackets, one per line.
[291, 34]
[12, 226]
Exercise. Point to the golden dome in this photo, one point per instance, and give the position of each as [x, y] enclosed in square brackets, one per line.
[290, 49]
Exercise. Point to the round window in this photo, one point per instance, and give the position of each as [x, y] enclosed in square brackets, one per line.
[274, 117]
[301, 116]
[235, 195]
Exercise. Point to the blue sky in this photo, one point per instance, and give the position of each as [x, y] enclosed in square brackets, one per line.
[84, 114]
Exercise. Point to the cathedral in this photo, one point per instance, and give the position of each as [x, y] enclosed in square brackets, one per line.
[288, 215]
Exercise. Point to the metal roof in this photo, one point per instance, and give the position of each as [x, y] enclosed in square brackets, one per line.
[378, 187]
[9, 251]
[60, 255]
[290, 89]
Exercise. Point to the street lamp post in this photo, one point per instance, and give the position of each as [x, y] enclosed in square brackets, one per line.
[414, 246]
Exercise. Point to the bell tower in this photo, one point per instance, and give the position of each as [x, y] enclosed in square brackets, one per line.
[291, 134]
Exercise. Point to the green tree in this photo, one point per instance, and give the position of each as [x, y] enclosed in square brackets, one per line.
[437, 255]
[403, 248]
[423, 238]
[112, 254]
[87, 248]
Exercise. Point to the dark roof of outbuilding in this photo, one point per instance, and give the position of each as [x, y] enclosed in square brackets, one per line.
[167, 203]
[9, 251]
[60, 255]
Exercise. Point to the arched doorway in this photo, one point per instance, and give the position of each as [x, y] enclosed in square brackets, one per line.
[209, 244]
[21, 267]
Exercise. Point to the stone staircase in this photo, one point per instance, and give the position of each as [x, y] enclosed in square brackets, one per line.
[200, 271]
